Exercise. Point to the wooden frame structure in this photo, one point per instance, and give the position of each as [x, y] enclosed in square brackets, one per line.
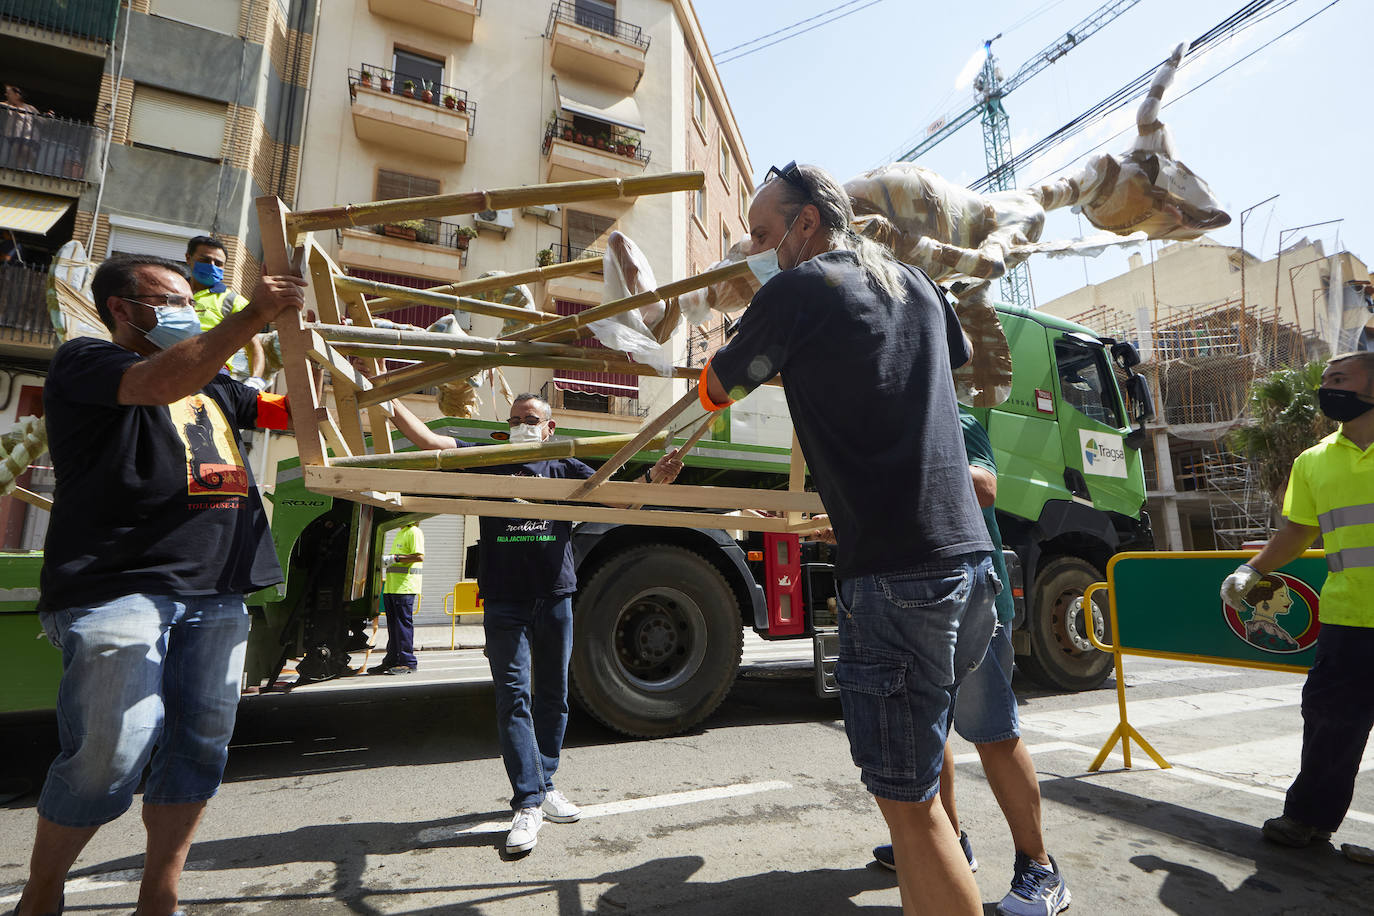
[337, 324]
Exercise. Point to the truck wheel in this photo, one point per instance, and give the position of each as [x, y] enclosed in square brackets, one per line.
[656, 641]
[1061, 655]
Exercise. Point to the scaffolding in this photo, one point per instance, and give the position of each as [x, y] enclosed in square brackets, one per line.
[1240, 509]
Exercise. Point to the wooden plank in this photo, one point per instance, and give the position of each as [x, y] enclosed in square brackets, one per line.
[492, 486]
[493, 455]
[502, 281]
[277, 261]
[340, 369]
[648, 517]
[326, 300]
[647, 433]
[796, 475]
[36, 500]
[332, 435]
[350, 421]
[441, 205]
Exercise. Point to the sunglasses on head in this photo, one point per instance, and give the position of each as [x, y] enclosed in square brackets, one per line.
[790, 174]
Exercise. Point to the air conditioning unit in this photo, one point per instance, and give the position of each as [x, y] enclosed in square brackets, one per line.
[501, 221]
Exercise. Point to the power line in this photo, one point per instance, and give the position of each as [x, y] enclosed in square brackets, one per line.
[786, 28]
[722, 59]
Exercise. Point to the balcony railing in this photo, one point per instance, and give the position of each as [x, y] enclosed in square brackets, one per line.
[614, 141]
[562, 254]
[49, 146]
[93, 19]
[24, 304]
[577, 14]
[560, 398]
[427, 232]
[438, 94]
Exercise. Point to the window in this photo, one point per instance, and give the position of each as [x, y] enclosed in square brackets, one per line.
[698, 104]
[176, 122]
[1086, 384]
[585, 234]
[418, 69]
[744, 204]
[725, 164]
[595, 14]
[394, 185]
[699, 207]
[596, 388]
[140, 236]
[724, 239]
[217, 17]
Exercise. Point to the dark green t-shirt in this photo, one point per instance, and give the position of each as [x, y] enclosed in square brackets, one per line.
[979, 449]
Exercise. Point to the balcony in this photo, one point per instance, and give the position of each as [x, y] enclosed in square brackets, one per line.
[581, 288]
[575, 154]
[68, 152]
[432, 247]
[25, 328]
[450, 18]
[595, 46]
[92, 20]
[434, 120]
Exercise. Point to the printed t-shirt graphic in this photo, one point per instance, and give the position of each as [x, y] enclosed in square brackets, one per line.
[214, 466]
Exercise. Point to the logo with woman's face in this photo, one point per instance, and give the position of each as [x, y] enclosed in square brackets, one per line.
[1280, 615]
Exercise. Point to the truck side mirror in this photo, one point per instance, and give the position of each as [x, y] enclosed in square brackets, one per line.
[1142, 403]
[1125, 355]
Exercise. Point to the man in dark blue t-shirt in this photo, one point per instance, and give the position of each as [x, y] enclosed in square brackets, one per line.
[865, 345]
[157, 533]
[526, 577]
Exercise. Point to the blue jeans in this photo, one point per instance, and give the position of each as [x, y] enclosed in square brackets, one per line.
[530, 640]
[985, 706]
[144, 677]
[907, 639]
[400, 630]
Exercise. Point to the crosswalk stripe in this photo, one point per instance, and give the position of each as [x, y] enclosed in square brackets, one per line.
[1101, 719]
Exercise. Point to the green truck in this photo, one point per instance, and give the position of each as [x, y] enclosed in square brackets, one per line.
[660, 611]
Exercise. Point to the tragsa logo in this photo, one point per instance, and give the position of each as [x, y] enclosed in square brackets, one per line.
[1090, 451]
[1279, 615]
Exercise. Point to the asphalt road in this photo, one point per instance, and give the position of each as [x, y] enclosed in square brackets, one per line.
[379, 795]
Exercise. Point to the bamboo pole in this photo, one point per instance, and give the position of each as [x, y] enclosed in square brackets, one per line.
[442, 300]
[651, 430]
[440, 205]
[487, 284]
[619, 306]
[479, 456]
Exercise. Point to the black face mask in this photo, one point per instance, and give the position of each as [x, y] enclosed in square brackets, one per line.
[1342, 406]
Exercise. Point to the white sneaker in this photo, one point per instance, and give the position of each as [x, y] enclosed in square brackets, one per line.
[558, 809]
[524, 831]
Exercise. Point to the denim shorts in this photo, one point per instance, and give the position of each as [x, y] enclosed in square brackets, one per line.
[907, 639]
[985, 706]
[145, 678]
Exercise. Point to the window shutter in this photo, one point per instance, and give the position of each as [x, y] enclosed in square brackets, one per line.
[181, 123]
[218, 16]
[603, 383]
[395, 185]
[124, 240]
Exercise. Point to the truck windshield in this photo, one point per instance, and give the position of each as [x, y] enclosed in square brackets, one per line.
[1086, 384]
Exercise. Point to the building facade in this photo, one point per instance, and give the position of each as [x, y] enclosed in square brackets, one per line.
[152, 121]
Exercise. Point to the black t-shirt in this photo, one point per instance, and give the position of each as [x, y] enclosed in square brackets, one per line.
[869, 386]
[525, 558]
[155, 499]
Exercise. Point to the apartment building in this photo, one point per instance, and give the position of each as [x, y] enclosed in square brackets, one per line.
[422, 97]
[152, 121]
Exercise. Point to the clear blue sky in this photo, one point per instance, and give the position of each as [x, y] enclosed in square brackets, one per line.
[1295, 119]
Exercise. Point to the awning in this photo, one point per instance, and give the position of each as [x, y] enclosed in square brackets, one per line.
[592, 101]
[24, 211]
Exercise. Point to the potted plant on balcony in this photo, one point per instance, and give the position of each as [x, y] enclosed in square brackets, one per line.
[408, 89]
[365, 77]
[463, 236]
[386, 84]
[545, 257]
[404, 229]
[426, 91]
[451, 101]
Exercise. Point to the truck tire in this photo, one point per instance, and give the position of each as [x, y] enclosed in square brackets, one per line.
[656, 641]
[1061, 656]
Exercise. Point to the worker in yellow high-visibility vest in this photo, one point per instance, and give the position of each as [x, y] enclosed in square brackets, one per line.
[400, 595]
[213, 301]
[1331, 491]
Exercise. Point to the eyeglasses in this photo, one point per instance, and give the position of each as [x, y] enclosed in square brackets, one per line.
[790, 174]
[528, 420]
[174, 300]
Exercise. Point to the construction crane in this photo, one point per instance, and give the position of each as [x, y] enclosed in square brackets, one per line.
[991, 88]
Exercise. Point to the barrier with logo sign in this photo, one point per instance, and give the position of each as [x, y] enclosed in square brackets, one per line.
[1167, 605]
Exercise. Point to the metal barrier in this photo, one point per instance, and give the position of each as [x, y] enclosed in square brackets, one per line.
[1175, 613]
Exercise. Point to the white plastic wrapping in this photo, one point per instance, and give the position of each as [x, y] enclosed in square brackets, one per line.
[626, 272]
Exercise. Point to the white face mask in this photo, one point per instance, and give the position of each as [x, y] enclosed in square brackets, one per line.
[524, 433]
[764, 264]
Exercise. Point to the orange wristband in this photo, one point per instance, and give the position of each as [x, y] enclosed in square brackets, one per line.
[703, 395]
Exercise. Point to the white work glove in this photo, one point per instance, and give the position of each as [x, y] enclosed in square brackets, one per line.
[388, 559]
[257, 384]
[1238, 585]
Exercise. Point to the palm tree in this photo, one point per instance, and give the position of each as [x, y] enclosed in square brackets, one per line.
[1284, 421]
